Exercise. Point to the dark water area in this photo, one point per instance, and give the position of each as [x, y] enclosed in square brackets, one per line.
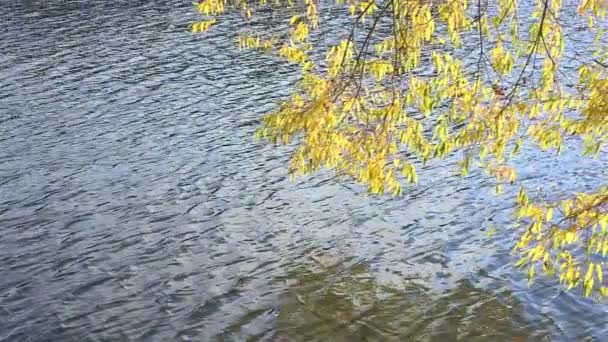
[135, 204]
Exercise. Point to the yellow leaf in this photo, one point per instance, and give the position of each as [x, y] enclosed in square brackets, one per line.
[589, 275]
[549, 214]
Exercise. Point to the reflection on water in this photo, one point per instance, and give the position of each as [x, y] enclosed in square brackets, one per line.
[136, 206]
[348, 304]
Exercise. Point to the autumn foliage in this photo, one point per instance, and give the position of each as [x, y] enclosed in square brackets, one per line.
[368, 110]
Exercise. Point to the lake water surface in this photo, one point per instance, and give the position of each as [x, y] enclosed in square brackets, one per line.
[135, 204]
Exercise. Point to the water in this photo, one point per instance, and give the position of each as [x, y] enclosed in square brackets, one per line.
[135, 204]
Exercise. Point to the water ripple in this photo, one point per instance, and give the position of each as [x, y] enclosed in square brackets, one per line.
[136, 205]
